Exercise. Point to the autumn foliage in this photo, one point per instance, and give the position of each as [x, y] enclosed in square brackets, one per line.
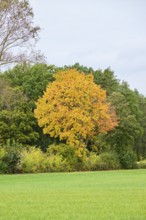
[74, 108]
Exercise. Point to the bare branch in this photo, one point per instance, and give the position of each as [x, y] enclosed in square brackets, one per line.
[17, 31]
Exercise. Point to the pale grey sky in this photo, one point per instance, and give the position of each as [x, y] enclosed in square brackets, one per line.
[95, 33]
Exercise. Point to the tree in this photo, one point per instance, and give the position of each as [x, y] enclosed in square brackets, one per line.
[107, 80]
[16, 117]
[125, 134]
[74, 108]
[17, 32]
[140, 144]
[128, 133]
[33, 79]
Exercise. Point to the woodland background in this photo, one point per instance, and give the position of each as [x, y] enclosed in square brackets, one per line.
[23, 145]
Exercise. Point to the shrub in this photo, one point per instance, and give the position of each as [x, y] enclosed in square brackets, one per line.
[91, 161]
[128, 160]
[141, 164]
[67, 153]
[108, 161]
[9, 157]
[3, 165]
[56, 163]
[63, 149]
[12, 159]
[32, 161]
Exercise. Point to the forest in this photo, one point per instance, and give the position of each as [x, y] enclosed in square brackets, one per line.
[66, 140]
[70, 118]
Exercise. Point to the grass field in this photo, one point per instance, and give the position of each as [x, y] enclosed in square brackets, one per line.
[107, 195]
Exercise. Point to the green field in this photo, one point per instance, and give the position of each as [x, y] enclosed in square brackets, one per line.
[107, 195]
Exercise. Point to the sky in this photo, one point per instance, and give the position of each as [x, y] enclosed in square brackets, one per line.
[97, 34]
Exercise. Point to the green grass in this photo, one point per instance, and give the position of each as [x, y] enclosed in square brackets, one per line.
[107, 195]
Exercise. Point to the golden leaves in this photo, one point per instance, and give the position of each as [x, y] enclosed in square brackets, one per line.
[74, 108]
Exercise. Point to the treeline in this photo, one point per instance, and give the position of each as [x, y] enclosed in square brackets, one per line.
[25, 148]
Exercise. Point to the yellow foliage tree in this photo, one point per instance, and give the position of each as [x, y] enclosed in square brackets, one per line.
[74, 108]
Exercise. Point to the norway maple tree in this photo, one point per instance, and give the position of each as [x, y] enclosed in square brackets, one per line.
[74, 108]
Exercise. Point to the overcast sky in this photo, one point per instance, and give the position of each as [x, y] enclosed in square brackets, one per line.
[97, 34]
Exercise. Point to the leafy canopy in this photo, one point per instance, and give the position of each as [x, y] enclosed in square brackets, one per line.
[74, 108]
[16, 117]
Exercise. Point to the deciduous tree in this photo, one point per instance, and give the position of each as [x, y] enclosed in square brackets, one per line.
[74, 108]
[16, 117]
[17, 32]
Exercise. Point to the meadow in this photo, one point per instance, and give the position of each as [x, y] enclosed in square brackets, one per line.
[103, 195]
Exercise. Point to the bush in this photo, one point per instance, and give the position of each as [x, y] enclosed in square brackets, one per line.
[87, 161]
[141, 164]
[108, 161]
[9, 157]
[3, 165]
[128, 160]
[67, 153]
[63, 149]
[91, 161]
[32, 161]
[56, 163]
